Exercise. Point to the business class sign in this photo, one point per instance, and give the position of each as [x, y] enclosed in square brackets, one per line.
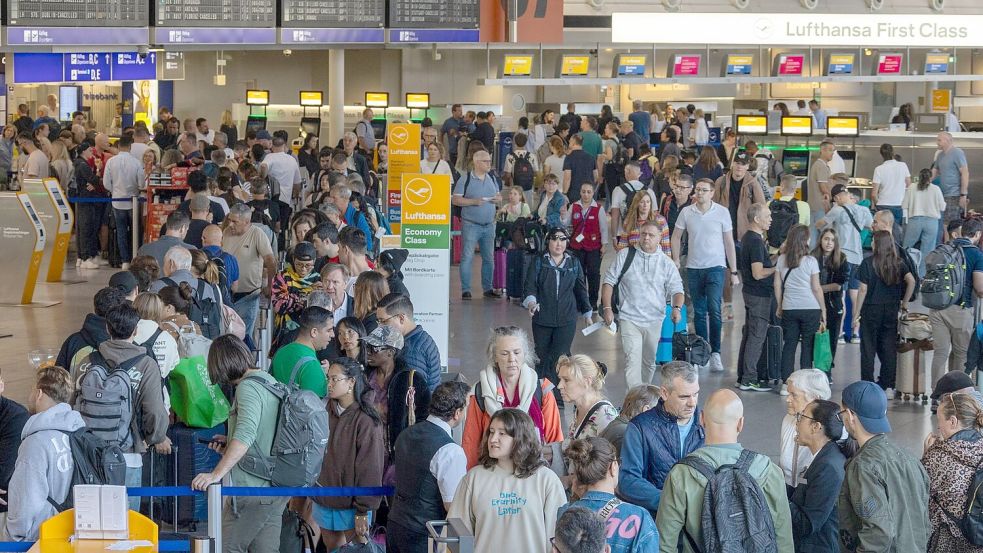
[812, 29]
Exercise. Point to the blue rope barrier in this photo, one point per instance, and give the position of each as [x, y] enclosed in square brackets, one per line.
[172, 546]
[15, 546]
[238, 491]
[162, 491]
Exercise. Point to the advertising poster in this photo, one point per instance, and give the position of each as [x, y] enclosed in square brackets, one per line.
[145, 102]
[404, 157]
[426, 233]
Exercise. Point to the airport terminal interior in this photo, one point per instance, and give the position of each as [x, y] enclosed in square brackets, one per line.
[707, 77]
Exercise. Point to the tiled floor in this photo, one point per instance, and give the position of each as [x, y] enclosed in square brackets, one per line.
[33, 327]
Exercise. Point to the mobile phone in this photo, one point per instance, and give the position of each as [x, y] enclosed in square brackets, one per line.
[203, 440]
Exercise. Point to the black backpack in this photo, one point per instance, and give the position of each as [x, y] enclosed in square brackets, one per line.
[522, 172]
[614, 169]
[223, 278]
[784, 216]
[735, 515]
[629, 196]
[616, 289]
[96, 462]
[971, 523]
[205, 311]
[528, 234]
[456, 209]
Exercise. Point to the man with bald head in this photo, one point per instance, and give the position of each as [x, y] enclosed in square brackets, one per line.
[952, 170]
[681, 508]
[211, 241]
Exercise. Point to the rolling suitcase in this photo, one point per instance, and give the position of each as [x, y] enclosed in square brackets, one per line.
[456, 241]
[190, 456]
[515, 272]
[914, 370]
[773, 352]
[501, 264]
[664, 353]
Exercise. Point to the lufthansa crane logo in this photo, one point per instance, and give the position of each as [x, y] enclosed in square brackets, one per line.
[418, 192]
[399, 136]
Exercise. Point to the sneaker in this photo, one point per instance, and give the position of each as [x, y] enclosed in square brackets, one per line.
[889, 392]
[89, 264]
[78, 262]
[784, 390]
[842, 339]
[465, 295]
[492, 294]
[125, 267]
[715, 365]
[102, 262]
[855, 340]
[740, 386]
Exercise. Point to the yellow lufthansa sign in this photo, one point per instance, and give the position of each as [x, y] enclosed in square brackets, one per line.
[313, 98]
[797, 125]
[842, 126]
[517, 66]
[257, 97]
[377, 99]
[752, 124]
[941, 100]
[426, 211]
[404, 157]
[418, 100]
[575, 66]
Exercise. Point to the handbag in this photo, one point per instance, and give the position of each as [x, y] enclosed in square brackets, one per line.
[691, 348]
[233, 323]
[914, 326]
[822, 354]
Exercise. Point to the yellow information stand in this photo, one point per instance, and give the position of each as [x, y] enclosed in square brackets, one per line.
[404, 157]
[52, 206]
[22, 244]
[54, 534]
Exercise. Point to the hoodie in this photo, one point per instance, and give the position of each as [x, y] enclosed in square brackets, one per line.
[150, 418]
[92, 334]
[44, 467]
[392, 261]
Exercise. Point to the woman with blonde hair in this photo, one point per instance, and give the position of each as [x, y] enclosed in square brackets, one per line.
[61, 162]
[370, 287]
[581, 382]
[665, 179]
[152, 336]
[641, 210]
[228, 126]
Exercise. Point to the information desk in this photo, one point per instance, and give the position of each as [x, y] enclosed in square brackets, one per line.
[55, 532]
[22, 241]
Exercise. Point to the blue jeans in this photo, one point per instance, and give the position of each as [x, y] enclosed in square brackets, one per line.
[706, 287]
[484, 237]
[924, 232]
[124, 228]
[248, 308]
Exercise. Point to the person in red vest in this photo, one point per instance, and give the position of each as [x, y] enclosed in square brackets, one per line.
[589, 232]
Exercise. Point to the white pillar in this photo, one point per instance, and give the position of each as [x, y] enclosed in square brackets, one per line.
[336, 95]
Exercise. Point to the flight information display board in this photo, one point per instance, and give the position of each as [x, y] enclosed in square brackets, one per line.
[78, 13]
[433, 14]
[333, 13]
[216, 13]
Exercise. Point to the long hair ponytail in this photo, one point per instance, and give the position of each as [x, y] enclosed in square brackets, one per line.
[354, 370]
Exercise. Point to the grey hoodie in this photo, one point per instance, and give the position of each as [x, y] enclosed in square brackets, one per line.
[44, 467]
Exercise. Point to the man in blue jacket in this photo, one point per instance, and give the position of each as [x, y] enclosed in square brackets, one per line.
[659, 437]
[419, 349]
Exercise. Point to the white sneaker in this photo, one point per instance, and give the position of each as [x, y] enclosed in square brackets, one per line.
[841, 340]
[78, 262]
[889, 392]
[89, 264]
[715, 364]
[125, 267]
[102, 262]
[855, 340]
[784, 390]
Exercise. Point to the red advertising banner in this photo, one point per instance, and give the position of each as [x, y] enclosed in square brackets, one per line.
[539, 21]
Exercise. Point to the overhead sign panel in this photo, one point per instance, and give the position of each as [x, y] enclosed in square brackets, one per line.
[257, 97]
[215, 22]
[81, 67]
[332, 21]
[801, 29]
[78, 13]
[418, 100]
[314, 98]
[433, 14]
[797, 126]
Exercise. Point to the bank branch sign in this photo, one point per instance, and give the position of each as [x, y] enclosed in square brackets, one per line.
[860, 29]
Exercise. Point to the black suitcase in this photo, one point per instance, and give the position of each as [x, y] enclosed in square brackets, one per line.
[515, 273]
[112, 246]
[189, 457]
[773, 352]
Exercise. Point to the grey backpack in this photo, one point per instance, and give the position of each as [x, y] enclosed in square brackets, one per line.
[945, 276]
[735, 518]
[105, 399]
[301, 436]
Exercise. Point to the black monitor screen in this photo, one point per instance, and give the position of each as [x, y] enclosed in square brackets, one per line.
[379, 127]
[255, 123]
[311, 125]
[796, 162]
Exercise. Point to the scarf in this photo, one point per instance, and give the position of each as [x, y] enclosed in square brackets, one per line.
[523, 400]
[297, 288]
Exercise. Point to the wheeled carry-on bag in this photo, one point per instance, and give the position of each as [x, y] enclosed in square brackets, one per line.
[773, 352]
[515, 273]
[664, 353]
[501, 269]
[914, 370]
[189, 457]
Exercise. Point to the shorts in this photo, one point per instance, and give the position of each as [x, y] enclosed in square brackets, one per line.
[853, 283]
[336, 520]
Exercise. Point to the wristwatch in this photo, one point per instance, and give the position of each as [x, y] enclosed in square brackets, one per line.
[734, 273]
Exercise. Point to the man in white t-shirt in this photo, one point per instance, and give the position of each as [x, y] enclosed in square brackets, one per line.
[202, 132]
[891, 179]
[284, 169]
[37, 163]
[710, 244]
[836, 164]
[619, 198]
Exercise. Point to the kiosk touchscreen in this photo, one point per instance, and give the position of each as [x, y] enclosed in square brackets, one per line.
[22, 241]
[517, 65]
[936, 63]
[255, 122]
[630, 65]
[310, 125]
[795, 161]
[574, 65]
[684, 65]
[51, 218]
[738, 65]
[888, 63]
[789, 65]
[840, 63]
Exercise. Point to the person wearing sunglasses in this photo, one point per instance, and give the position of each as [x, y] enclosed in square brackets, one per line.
[555, 293]
[815, 522]
[399, 392]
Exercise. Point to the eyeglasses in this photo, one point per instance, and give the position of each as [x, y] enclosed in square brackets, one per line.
[337, 379]
[800, 416]
[374, 349]
[387, 319]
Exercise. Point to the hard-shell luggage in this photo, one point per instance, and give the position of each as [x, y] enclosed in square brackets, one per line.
[914, 371]
[457, 246]
[189, 457]
[773, 352]
[515, 273]
[664, 353]
[501, 265]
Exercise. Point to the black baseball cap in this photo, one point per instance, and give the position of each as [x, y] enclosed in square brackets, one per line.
[952, 381]
[743, 158]
[124, 280]
[837, 190]
[304, 251]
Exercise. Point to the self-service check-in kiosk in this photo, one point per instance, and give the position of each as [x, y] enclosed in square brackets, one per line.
[52, 207]
[795, 155]
[22, 245]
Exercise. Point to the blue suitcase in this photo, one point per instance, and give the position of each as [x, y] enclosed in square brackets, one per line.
[189, 457]
[515, 273]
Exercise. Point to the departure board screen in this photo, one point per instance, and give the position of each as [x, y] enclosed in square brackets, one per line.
[216, 13]
[78, 13]
[333, 13]
[433, 14]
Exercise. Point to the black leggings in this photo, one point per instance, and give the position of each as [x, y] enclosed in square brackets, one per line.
[552, 342]
[879, 335]
[591, 262]
[798, 325]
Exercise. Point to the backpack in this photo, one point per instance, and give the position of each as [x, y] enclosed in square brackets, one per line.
[616, 291]
[105, 399]
[784, 216]
[207, 312]
[96, 462]
[223, 278]
[301, 436]
[646, 164]
[735, 514]
[456, 209]
[912, 258]
[945, 277]
[528, 234]
[537, 395]
[971, 523]
[149, 344]
[614, 169]
[629, 196]
[522, 172]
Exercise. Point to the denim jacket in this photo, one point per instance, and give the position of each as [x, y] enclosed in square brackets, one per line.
[630, 528]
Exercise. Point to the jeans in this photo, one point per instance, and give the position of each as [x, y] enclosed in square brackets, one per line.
[641, 345]
[952, 329]
[798, 325]
[484, 237]
[89, 222]
[247, 306]
[758, 312]
[590, 261]
[706, 286]
[124, 228]
[552, 342]
[133, 479]
[924, 232]
[879, 334]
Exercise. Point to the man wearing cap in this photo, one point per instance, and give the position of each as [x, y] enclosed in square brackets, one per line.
[847, 219]
[127, 283]
[645, 277]
[390, 377]
[954, 382]
[90, 215]
[883, 504]
[737, 190]
[177, 228]
[297, 361]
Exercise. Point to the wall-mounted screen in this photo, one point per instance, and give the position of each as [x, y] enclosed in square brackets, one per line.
[889, 64]
[842, 126]
[738, 64]
[631, 65]
[311, 98]
[517, 66]
[377, 99]
[790, 65]
[685, 65]
[796, 126]
[936, 64]
[752, 124]
[257, 97]
[840, 64]
[574, 66]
